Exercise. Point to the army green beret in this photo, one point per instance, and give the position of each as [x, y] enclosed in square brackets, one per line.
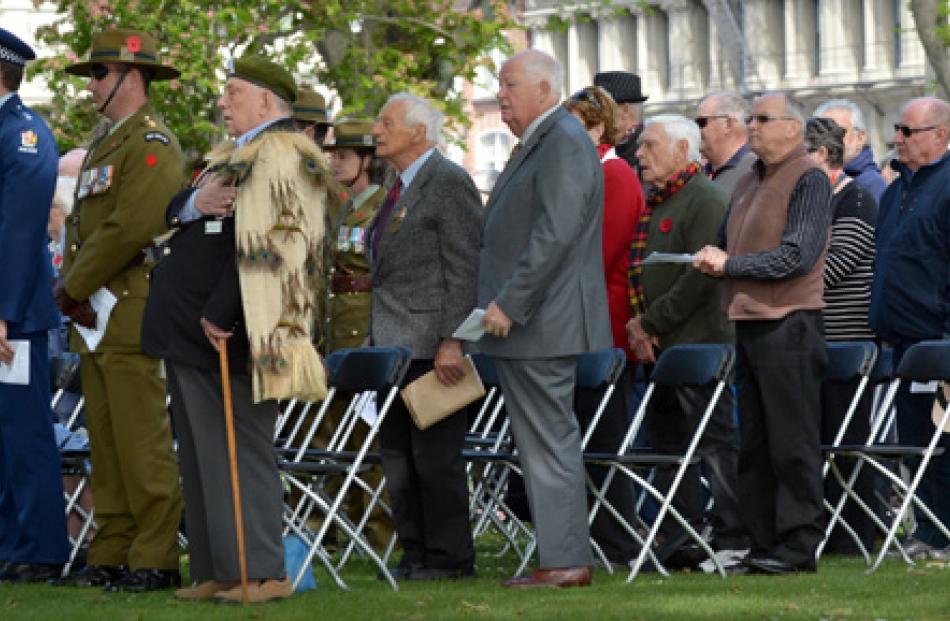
[266, 74]
[310, 106]
[352, 134]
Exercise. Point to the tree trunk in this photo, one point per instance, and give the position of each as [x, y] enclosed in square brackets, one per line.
[927, 16]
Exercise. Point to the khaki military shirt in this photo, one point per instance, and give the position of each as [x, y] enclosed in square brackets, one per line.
[127, 180]
[348, 315]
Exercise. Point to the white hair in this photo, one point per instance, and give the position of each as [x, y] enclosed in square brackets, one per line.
[541, 66]
[65, 189]
[857, 117]
[420, 111]
[678, 128]
[729, 103]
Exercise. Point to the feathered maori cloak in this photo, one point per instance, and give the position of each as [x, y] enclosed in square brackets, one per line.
[282, 182]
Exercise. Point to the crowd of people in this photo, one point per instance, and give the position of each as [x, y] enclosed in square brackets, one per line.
[300, 235]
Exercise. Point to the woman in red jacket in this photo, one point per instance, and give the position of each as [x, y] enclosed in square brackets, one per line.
[623, 202]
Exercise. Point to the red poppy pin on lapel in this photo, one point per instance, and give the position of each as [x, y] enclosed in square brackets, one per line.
[666, 225]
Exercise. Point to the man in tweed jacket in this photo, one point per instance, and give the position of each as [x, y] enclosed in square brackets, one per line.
[424, 247]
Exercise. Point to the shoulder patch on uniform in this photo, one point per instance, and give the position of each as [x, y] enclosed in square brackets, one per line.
[156, 137]
[28, 141]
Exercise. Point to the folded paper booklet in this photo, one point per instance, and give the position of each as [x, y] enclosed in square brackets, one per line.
[429, 400]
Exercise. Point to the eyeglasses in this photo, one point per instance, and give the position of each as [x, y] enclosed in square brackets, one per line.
[98, 71]
[761, 119]
[583, 95]
[703, 121]
[910, 131]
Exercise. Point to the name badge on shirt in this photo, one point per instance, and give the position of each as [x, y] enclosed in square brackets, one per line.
[213, 227]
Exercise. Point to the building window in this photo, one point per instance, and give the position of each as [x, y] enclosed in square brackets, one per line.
[491, 154]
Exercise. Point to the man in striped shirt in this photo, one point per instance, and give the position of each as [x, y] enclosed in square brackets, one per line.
[772, 257]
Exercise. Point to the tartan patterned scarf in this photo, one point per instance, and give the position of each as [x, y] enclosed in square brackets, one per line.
[656, 196]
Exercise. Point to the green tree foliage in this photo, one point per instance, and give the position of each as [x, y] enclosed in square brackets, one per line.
[363, 49]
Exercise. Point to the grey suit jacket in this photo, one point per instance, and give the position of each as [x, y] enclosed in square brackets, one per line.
[541, 258]
[424, 276]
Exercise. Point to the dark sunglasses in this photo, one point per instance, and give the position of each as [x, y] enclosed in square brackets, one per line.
[583, 95]
[910, 131]
[765, 118]
[703, 121]
[98, 71]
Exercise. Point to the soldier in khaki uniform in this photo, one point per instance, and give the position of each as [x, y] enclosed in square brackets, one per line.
[311, 115]
[351, 153]
[128, 177]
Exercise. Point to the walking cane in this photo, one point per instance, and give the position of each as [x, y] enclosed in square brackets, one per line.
[232, 462]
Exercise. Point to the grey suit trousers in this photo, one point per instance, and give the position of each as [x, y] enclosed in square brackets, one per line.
[198, 418]
[539, 396]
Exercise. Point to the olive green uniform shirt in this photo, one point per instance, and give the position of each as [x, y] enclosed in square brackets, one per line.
[349, 313]
[126, 182]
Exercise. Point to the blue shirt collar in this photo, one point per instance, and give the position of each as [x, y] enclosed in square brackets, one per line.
[250, 135]
[413, 169]
[6, 98]
[732, 162]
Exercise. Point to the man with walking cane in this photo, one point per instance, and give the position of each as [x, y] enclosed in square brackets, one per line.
[236, 272]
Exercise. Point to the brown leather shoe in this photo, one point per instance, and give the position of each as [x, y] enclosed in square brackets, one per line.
[204, 591]
[258, 591]
[562, 577]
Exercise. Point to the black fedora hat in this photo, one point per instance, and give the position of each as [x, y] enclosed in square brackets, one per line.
[623, 86]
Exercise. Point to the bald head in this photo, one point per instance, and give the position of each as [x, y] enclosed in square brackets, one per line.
[927, 121]
[71, 162]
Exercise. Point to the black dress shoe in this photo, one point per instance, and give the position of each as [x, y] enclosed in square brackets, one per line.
[776, 566]
[30, 572]
[92, 576]
[426, 574]
[142, 580]
[401, 571]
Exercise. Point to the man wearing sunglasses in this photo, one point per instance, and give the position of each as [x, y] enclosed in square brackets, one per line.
[771, 255]
[910, 295]
[724, 138]
[131, 171]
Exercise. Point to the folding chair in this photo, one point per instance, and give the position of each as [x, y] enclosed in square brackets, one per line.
[701, 365]
[924, 362]
[360, 372]
[847, 361]
[67, 404]
[490, 461]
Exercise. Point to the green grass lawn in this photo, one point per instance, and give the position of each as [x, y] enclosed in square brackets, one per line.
[840, 590]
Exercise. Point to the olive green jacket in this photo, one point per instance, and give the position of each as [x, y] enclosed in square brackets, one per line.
[350, 312]
[683, 304]
[127, 180]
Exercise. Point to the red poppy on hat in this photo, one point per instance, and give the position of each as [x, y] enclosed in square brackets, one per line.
[133, 43]
[666, 225]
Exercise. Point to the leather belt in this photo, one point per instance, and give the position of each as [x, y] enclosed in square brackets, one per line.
[354, 283]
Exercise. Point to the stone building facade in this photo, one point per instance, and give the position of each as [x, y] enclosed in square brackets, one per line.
[864, 50]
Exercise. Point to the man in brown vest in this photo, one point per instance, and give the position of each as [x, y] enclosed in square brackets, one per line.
[772, 257]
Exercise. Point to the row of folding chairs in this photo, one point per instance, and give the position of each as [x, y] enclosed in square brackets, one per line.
[368, 381]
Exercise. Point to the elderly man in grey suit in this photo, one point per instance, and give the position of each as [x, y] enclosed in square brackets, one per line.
[541, 282]
[424, 261]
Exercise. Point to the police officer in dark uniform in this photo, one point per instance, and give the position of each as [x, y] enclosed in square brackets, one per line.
[33, 540]
[127, 179]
